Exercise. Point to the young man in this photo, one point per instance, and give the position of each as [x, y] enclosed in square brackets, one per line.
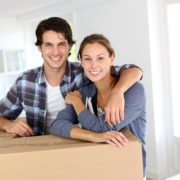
[40, 91]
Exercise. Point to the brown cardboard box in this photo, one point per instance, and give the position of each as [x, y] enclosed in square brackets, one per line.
[53, 158]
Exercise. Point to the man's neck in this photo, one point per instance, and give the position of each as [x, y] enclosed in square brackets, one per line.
[55, 77]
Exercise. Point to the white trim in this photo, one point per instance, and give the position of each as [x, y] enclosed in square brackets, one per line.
[61, 9]
[172, 1]
[177, 140]
[155, 175]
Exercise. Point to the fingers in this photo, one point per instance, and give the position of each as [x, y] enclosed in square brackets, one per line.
[26, 129]
[116, 139]
[121, 114]
[113, 116]
[114, 110]
[20, 128]
[72, 96]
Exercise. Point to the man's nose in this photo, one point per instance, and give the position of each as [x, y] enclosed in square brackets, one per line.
[55, 50]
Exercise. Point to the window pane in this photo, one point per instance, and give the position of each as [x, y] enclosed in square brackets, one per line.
[173, 12]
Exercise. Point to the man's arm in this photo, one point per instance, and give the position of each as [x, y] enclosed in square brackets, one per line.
[18, 127]
[114, 110]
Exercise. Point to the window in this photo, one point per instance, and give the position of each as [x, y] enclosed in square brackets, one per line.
[173, 16]
[12, 61]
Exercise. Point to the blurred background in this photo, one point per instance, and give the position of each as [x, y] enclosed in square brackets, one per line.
[142, 32]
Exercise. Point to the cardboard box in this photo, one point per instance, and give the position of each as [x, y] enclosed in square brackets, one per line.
[50, 157]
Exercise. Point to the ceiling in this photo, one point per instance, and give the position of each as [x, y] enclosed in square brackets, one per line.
[10, 8]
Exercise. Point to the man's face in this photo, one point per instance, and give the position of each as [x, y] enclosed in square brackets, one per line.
[55, 50]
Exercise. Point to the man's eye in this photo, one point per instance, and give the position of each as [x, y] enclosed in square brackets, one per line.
[87, 59]
[101, 58]
[48, 45]
[62, 44]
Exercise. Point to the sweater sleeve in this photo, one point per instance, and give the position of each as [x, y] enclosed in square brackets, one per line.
[134, 106]
[64, 122]
[117, 70]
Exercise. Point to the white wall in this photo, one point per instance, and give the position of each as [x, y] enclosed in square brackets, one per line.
[11, 34]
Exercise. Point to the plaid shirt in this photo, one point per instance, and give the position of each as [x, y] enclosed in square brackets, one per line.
[29, 93]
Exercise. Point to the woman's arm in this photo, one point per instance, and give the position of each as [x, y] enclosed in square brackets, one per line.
[111, 137]
[135, 104]
[64, 126]
[65, 123]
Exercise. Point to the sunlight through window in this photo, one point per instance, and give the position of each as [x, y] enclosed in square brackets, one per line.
[173, 12]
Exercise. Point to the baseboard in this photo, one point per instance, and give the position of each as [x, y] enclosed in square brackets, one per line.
[153, 175]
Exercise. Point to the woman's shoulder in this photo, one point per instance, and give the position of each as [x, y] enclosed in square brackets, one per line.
[136, 88]
[135, 94]
[89, 90]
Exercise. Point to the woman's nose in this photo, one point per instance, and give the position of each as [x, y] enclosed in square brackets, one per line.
[94, 64]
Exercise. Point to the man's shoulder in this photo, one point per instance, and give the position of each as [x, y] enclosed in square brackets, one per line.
[74, 63]
[89, 90]
[74, 67]
[30, 74]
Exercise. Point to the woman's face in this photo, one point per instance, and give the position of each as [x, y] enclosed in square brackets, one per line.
[96, 61]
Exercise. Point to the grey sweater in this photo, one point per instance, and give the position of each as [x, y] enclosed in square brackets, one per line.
[135, 116]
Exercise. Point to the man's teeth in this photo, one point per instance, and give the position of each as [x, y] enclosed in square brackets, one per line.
[55, 58]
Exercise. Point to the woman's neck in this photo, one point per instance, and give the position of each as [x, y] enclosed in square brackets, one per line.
[104, 88]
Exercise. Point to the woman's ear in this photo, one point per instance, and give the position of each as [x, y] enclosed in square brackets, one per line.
[112, 58]
[82, 64]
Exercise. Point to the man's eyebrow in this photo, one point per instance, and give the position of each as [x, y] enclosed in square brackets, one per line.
[47, 42]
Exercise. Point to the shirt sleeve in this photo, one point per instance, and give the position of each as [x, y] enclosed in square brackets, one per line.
[10, 106]
[117, 70]
[134, 107]
[64, 122]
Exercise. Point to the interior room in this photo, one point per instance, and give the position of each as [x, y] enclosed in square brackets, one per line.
[142, 32]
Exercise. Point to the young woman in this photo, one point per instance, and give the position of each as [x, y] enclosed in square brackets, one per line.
[87, 105]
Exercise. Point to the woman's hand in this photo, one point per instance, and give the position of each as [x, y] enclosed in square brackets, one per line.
[74, 98]
[111, 137]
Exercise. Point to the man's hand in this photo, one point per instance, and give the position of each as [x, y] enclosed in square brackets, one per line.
[114, 110]
[18, 127]
[111, 137]
[115, 107]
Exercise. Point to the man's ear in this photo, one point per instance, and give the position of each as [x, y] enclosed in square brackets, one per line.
[40, 48]
[70, 47]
